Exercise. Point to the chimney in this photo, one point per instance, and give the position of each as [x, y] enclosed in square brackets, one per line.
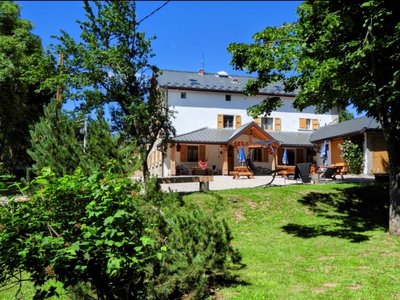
[201, 72]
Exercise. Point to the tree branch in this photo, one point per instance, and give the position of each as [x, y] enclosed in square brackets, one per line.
[153, 12]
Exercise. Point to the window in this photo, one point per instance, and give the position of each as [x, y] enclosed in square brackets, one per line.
[308, 124]
[183, 95]
[257, 154]
[192, 154]
[227, 97]
[228, 121]
[267, 123]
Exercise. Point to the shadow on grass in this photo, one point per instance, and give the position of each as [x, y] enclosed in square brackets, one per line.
[353, 211]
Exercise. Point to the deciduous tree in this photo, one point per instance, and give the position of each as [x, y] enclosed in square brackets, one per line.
[110, 65]
[337, 53]
[23, 66]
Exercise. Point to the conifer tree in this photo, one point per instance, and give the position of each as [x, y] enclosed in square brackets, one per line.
[58, 142]
[54, 142]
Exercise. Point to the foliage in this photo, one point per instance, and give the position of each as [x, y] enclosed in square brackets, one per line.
[57, 142]
[104, 230]
[345, 115]
[110, 65]
[352, 154]
[23, 66]
[320, 241]
[338, 53]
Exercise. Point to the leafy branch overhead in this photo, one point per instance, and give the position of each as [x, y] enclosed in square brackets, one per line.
[24, 65]
[111, 66]
[336, 54]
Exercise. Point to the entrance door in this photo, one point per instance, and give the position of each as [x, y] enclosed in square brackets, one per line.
[231, 158]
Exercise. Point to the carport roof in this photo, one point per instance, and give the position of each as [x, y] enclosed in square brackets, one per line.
[350, 127]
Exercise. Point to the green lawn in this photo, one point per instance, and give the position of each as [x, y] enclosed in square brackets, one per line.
[325, 241]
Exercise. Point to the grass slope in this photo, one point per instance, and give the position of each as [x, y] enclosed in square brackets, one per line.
[310, 241]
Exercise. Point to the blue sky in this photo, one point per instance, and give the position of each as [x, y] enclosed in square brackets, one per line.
[189, 33]
[186, 31]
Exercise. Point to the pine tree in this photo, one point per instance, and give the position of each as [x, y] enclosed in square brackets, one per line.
[105, 149]
[54, 142]
[58, 142]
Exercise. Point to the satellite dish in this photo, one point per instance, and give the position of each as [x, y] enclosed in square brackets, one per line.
[222, 74]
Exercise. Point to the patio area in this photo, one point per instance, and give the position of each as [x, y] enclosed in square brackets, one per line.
[227, 182]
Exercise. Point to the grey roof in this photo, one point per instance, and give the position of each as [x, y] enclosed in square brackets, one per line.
[223, 136]
[206, 135]
[291, 138]
[212, 82]
[212, 135]
[350, 127]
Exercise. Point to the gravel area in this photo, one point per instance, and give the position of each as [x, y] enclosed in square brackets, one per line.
[227, 182]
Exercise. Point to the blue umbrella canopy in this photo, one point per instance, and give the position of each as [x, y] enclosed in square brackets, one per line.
[324, 152]
[284, 157]
[241, 156]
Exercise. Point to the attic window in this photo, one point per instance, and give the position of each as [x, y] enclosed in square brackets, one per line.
[235, 81]
[227, 97]
[183, 95]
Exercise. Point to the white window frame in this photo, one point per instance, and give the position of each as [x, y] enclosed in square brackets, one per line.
[226, 123]
[264, 123]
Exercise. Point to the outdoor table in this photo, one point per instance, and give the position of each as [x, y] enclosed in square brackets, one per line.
[241, 171]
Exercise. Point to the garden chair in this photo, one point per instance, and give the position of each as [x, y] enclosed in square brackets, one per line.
[329, 173]
[303, 171]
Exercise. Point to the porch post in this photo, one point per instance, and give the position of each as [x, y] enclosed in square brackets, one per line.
[274, 157]
[225, 160]
[172, 170]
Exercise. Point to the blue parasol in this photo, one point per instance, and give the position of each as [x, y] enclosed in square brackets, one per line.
[324, 152]
[241, 156]
[284, 157]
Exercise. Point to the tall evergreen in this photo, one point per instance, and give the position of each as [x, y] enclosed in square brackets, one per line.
[58, 142]
[54, 142]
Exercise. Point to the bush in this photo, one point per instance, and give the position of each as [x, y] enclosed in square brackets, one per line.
[103, 230]
[352, 154]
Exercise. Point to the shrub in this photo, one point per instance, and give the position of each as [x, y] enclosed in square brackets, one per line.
[352, 154]
[103, 230]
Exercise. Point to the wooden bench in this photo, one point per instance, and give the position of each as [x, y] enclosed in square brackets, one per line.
[237, 174]
[199, 171]
[285, 171]
[341, 169]
[202, 180]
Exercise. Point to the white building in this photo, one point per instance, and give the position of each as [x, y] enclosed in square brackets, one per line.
[211, 122]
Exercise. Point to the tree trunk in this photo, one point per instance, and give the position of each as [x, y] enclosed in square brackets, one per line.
[393, 145]
[145, 167]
